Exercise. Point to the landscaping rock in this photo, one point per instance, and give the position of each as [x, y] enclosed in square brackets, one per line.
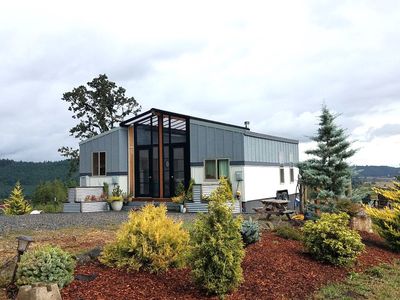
[362, 222]
[39, 291]
[88, 256]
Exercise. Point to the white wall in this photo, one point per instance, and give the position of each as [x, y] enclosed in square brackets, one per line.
[263, 182]
[122, 181]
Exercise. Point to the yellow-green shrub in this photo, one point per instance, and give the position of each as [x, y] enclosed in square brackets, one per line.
[330, 239]
[387, 223]
[16, 203]
[148, 240]
[217, 247]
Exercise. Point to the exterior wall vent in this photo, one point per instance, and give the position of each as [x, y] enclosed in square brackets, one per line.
[84, 181]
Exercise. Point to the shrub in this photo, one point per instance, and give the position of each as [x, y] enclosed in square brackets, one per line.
[223, 192]
[182, 195]
[349, 207]
[250, 231]
[387, 223]
[46, 264]
[49, 207]
[148, 240]
[330, 239]
[16, 203]
[289, 232]
[50, 192]
[217, 247]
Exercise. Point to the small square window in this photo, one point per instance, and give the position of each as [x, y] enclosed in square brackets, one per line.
[95, 164]
[210, 169]
[99, 164]
[282, 175]
[223, 168]
[291, 175]
[102, 164]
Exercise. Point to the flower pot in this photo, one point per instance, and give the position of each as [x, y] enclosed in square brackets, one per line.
[182, 208]
[117, 205]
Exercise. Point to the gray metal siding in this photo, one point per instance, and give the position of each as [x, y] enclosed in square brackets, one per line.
[114, 143]
[210, 141]
[267, 151]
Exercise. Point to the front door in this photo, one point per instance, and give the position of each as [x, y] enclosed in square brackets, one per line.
[147, 177]
[177, 170]
[143, 172]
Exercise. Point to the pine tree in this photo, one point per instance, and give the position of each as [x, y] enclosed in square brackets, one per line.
[16, 203]
[327, 173]
[217, 247]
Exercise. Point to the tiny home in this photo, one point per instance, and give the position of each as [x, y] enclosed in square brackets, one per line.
[151, 153]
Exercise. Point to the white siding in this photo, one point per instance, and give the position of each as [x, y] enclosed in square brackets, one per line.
[122, 181]
[263, 182]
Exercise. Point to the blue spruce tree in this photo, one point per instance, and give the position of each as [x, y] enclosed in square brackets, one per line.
[327, 174]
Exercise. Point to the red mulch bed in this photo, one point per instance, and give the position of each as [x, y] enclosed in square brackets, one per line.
[274, 268]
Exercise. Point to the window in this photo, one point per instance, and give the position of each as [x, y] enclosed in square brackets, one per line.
[291, 174]
[215, 169]
[282, 174]
[223, 168]
[99, 164]
[210, 169]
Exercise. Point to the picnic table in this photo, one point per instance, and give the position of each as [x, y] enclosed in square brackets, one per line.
[274, 207]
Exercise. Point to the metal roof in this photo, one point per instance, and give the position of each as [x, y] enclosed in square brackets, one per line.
[244, 130]
[159, 111]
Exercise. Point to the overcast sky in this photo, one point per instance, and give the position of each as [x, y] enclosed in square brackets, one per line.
[270, 62]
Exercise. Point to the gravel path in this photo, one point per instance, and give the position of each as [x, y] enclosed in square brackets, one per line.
[63, 220]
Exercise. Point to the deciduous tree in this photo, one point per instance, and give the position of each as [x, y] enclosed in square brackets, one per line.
[98, 107]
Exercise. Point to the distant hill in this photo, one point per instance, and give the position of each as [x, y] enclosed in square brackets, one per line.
[377, 171]
[29, 174]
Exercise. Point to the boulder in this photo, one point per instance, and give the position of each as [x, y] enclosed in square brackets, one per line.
[39, 291]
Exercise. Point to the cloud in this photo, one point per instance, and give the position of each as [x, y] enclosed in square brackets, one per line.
[222, 60]
[387, 130]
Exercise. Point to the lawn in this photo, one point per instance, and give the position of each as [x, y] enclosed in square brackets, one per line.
[380, 282]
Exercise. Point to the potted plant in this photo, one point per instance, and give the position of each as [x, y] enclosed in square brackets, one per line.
[116, 199]
[180, 196]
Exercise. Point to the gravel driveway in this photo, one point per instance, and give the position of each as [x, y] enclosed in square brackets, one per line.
[63, 220]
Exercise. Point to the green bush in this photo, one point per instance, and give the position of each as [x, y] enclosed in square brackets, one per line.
[49, 207]
[46, 264]
[50, 192]
[330, 239]
[217, 247]
[148, 240]
[289, 232]
[348, 206]
[16, 203]
[250, 232]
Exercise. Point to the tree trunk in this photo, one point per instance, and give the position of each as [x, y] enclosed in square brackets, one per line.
[317, 210]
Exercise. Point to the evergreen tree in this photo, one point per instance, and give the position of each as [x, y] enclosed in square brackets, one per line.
[217, 249]
[327, 173]
[16, 203]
